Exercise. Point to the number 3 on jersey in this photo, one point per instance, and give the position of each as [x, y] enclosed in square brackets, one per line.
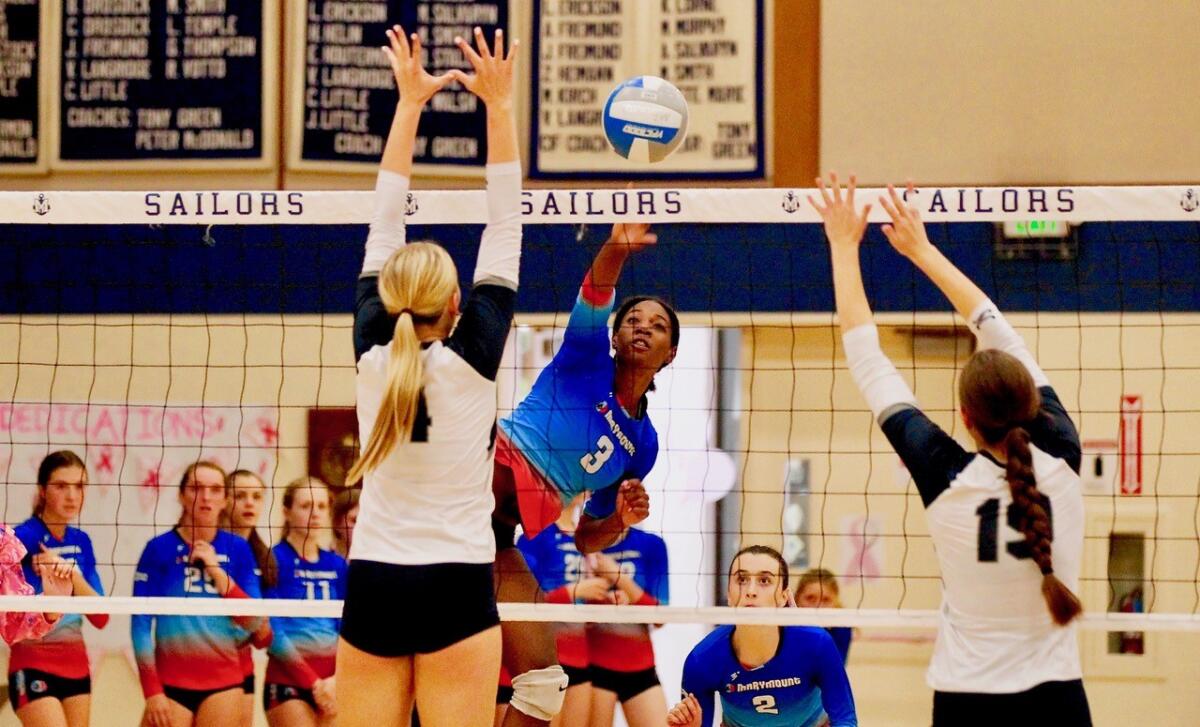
[593, 461]
[989, 532]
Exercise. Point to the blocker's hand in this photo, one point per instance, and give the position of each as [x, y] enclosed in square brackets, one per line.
[492, 80]
[907, 231]
[844, 226]
[415, 84]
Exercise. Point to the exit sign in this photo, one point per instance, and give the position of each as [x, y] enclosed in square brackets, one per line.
[1037, 228]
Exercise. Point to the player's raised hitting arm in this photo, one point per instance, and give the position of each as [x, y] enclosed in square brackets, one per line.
[611, 511]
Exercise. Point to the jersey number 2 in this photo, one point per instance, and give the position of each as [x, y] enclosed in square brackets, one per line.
[765, 704]
[989, 531]
[593, 461]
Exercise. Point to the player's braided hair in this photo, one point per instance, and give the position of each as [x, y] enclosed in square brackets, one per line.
[1000, 399]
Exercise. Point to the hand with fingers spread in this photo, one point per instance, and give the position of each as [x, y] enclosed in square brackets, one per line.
[415, 84]
[844, 226]
[907, 232]
[492, 80]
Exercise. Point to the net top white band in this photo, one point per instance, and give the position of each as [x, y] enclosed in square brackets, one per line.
[886, 618]
[547, 206]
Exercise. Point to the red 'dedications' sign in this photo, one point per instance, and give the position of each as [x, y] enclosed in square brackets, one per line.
[1131, 444]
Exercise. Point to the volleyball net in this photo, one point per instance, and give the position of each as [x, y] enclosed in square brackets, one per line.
[147, 330]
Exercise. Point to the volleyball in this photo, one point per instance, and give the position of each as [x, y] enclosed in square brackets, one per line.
[645, 119]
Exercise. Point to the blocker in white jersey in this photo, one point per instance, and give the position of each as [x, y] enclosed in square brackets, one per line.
[420, 612]
[430, 499]
[1006, 520]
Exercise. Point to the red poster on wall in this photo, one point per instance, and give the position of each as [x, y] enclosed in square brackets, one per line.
[1131, 444]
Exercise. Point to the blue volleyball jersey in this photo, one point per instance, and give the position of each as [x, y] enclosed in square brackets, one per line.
[61, 652]
[189, 652]
[552, 558]
[305, 649]
[556, 562]
[642, 556]
[571, 428]
[799, 685]
[842, 636]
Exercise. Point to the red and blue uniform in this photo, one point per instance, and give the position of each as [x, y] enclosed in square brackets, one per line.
[305, 649]
[61, 652]
[557, 564]
[800, 686]
[571, 429]
[642, 556]
[197, 653]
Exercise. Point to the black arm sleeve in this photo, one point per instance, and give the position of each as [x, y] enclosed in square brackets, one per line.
[932, 457]
[372, 324]
[1053, 432]
[483, 329]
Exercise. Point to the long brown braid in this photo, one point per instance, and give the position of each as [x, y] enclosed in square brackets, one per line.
[1000, 399]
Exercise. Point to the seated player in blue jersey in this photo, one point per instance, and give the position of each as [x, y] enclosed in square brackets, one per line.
[299, 687]
[1006, 520]
[622, 664]
[583, 426]
[766, 676]
[246, 495]
[818, 588]
[49, 679]
[189, 665]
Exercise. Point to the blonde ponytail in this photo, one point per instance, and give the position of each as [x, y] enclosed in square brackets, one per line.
[415, 285]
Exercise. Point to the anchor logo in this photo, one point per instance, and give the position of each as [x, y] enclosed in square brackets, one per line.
[1190, 200]
[791, 202]
[41, 205]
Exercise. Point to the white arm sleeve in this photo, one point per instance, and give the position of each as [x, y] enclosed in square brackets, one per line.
[499, 260]
[387, 233]
[993, 331]
[880, 383]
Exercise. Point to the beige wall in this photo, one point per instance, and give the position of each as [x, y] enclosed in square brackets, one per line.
[802, 403]
[1014, 92]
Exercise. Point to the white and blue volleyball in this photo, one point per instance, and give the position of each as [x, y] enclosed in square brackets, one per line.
[645, 119]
